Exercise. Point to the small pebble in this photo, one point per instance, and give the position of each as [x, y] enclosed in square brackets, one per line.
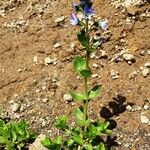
[146, 72]
[129, 57]
[128, 107]
[94, 75]
[45, 100]
[67, 97]
[57, 45]
[48, 61]
[15, 107]
[95, 65]
[93, 55]
[60, 19]
[114, 74]
[146, 107]
[144, 119]
[35, 59]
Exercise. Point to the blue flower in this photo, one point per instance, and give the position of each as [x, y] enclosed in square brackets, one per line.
[74, 19]
[85, 1]
[88, 12]
[104, 25]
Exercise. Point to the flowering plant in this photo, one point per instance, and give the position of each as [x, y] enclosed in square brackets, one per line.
[85, 132]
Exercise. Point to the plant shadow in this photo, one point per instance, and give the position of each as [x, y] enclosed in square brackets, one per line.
[115, 107]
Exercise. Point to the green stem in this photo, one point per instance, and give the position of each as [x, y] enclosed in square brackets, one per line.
[85, 79]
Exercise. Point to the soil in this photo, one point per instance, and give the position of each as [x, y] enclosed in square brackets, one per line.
[28, 33]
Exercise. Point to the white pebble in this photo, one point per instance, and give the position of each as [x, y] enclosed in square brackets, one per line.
[48, 61]
[144, 119]
[146, 72]
[35, 59]
[146, 107]
[67, 97]
[15, 107]
[129, 57]
[57, 45]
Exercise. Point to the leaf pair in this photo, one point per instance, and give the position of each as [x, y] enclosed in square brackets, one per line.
[94, 92]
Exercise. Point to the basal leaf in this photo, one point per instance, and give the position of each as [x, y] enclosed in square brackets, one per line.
[101, 146]
[89, 147]
[47, 142]
[61, 122]
[78, 139]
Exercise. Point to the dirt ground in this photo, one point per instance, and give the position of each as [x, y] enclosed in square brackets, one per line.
[32, 88]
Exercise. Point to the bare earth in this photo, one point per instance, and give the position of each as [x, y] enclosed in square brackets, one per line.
[34, 91]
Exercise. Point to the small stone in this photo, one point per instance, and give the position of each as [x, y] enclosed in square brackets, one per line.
[22, 108]
[133, 75]
[147, 65]
[60, 19]
[146, 107]
[72, 46]
[45, 100]
[142, 53]
[93, 55]
[35, 59]
[15, 107]
[19, 70]
[129, 57]
[128, 107]
[95, 65]
[148, 52]
[146, 72]
[57, 45]
[103, 54]
[48, 61]
[114, 74]
[67, 97]
[144, 119]
[94, 75]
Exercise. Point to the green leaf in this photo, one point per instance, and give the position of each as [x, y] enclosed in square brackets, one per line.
[77, 96]
[58, 140]
[101, 146]
[94, 92]
[78, 139]
[79, 64]
[61, 122]
[104, 127]
[46, 142]
[93, 131]
[79, 118]
[3, 140]
[86, 73]
[83, 39]
[70, 142]
[89, 147]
